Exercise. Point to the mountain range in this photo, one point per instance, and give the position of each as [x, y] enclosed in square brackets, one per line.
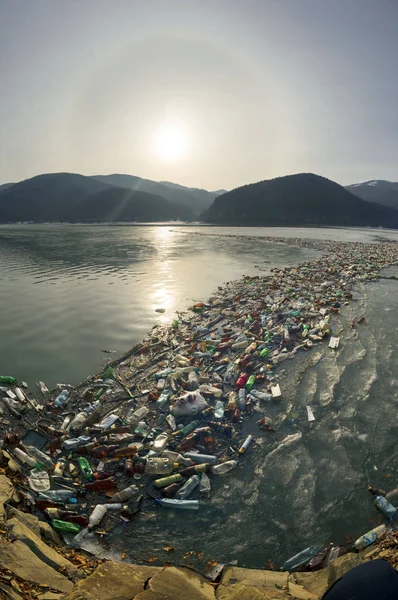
[302, 199]
[377, 190]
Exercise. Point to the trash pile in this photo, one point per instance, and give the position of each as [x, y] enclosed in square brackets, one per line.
[161, 424]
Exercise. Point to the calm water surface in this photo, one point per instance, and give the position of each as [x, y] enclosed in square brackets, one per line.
[68, 291]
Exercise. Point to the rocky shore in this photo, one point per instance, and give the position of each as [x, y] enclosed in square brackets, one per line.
[187, 389]
[35, 565]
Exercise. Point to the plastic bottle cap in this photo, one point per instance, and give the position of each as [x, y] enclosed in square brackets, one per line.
[137, 476]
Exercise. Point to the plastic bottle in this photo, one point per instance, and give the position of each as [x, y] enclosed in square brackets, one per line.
[66, 515]
[261, 395]
[159, 465]
[193, 380]
[124, 452]
[376, 491]
[231, 372]
[78, 422]
[162, 401]
[85, 468]
[232, 401]
[109, 483]
[7, 379]
[242, 399]
[177, 503]
[219, 410]
[74, 443]
[189, 428]
[369, 537]
[250, 382]
[19, 394]
[301, 558]
[385, 506]
[40, 456]
[224, 467]
[65, 526]
[205, 484]
[242, 379]
[201, 468]
[201, 458]
[165, 481]
[188, 487]
[264, 352]
[62, 399]
[96, 516]
[176, 457]
[57, 495]
[170, 490]
[245, 444]
[25, 458]
[133, 417]
[60, 467]
[160, 443]
[125, 494]
[108, 373]
[392, 494]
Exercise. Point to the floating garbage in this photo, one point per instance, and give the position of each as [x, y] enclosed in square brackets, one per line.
[184, 410]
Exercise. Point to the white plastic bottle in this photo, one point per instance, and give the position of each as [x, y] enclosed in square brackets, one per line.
[160, 443]
[224, 467]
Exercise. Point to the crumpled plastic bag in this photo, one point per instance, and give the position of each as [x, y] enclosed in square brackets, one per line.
[188, 404]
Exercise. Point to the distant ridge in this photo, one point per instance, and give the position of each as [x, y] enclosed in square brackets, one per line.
[376, 190]
[197, 200]
[297, 200]
[56, 197]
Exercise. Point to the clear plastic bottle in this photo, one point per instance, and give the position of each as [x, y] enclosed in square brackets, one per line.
[242, 399]
[134, 416]
[125, 494]
[205, 484]
[159, 465]
[301, 558]
[224, 467]
[176, 457]
[385, 506]
[57, 495]
[178, 503]
[78, 422]
[219, 410]
[369, 537]
[40, 456]
[189, 486]
[162, 401]
[62, 399]
[160, 443]
[26, 458]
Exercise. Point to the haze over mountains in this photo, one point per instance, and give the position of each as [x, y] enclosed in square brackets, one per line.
[302, 199]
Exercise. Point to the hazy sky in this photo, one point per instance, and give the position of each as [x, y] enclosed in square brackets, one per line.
[206, 93]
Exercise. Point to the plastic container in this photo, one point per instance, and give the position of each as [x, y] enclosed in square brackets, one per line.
[188, 487]
[177, 503]
[369, 537]
[39, 481]
[224, 467]
[65, 526]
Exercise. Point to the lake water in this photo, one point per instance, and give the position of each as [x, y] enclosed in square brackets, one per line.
[68, 291]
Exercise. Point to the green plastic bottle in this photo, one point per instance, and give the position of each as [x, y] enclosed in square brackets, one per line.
[65, 527]
[7, 379]
[189, 428]
[264, 352]
[107, 373]
[250, 382]
[175, 324]
[99, 393]
[85, 468]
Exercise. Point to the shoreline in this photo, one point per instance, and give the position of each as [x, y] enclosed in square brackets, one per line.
[134, 366]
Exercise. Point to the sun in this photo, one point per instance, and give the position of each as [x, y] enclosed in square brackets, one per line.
[171, 142]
